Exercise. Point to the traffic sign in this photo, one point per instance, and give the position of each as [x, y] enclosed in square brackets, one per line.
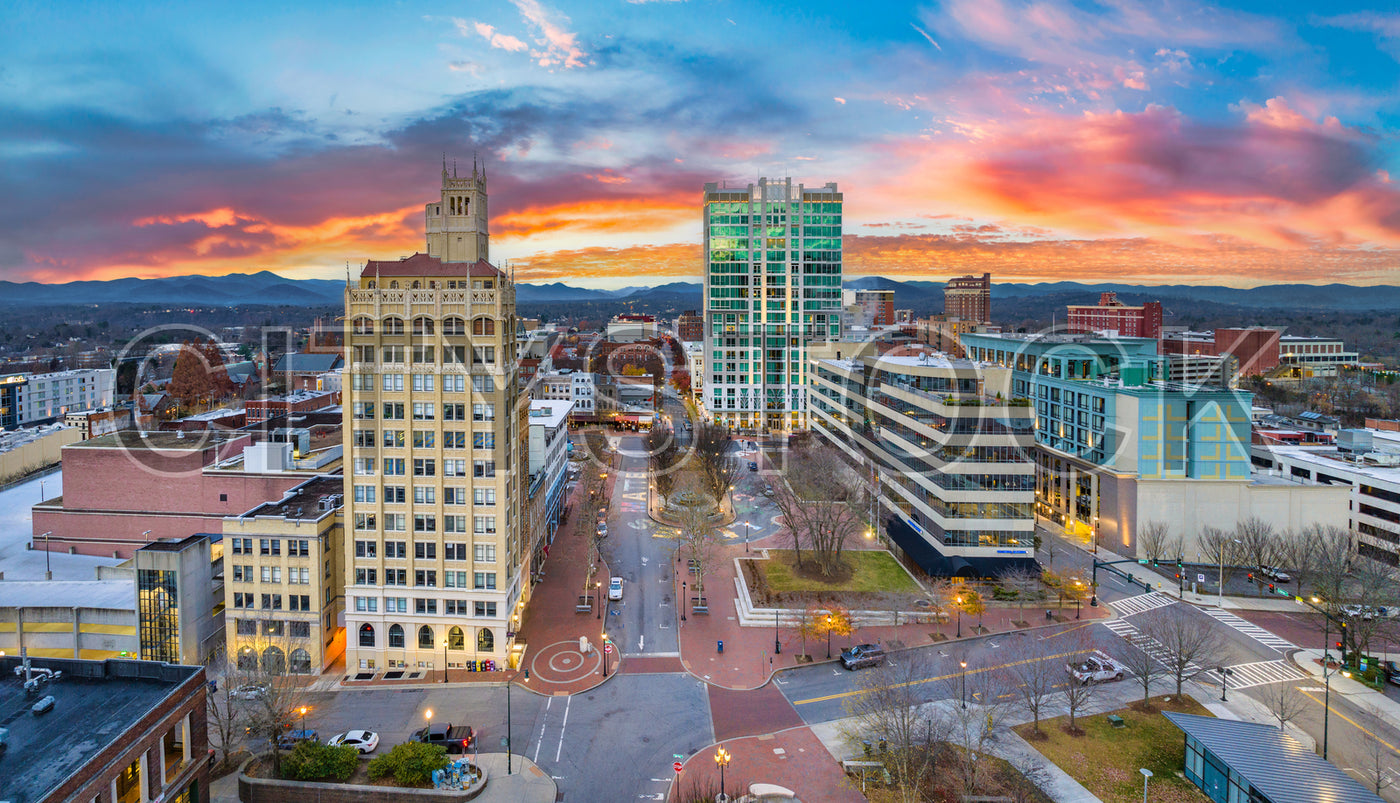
[607, 648]
[676, 766]
[1200, 578]
[677, 755]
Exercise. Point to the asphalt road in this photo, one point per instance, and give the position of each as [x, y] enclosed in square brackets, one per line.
[644, 621]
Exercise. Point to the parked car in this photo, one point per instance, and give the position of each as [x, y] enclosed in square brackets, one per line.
[1098, 669]
[252, 691]
[767, 489]
[615, 588]
[1392, 672]
[862, 655]
[290, 739]
[363, 741]
[1363, 612]
[602, 529]
[455, 739]
[1275, 573]
[753, 466]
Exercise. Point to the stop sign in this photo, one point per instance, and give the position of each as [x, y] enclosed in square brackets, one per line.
[676, 766]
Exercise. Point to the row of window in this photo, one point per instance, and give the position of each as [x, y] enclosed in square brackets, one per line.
[296, 547]
[426, 550]
[427, 578]
[423, 495]
[456, 639]
[423, 325]
[424, 355]
[272, 602]
[423, 467]
[424, 523]
[423, 439]
[423, 411]
[426, 606]
[296, 575]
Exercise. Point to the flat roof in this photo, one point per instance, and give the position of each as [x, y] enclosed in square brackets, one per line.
[95, 704]
[139, 439]
[301, 502]
[1326, 456]
[1272, 761]
[550, 413]
[116, 594]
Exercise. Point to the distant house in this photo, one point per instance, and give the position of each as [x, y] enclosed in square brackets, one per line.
[302, 371]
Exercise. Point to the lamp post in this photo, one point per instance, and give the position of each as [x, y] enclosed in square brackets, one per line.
[598, 595]
[1224, 673]
[1220, 586]
[1077, 584]
[828, 636]
[777, 647]
[444, 660]
[957, 602]
[605, 655]
[303, 719]
[722, 758]
[428, 715]
[963, 664]
[683, 598]
[48, 573]
[1146, 773]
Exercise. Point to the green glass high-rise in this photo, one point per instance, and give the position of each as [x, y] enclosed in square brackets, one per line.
[772, 285]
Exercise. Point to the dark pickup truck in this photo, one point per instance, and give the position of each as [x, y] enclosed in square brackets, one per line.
[456, 739]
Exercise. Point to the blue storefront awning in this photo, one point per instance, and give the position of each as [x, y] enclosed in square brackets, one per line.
[928, 558]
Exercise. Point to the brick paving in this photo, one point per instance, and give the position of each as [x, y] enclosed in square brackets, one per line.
[750, 712]
[794, 758]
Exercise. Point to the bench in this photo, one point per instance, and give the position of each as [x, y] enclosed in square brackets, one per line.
[584, 604]
[1116, 721]
[699, 605]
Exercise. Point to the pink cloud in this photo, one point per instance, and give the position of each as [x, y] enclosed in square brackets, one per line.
[560, 45]
[488, 32]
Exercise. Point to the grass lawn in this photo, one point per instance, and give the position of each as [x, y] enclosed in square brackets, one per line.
[872, 570]
[1106, 759]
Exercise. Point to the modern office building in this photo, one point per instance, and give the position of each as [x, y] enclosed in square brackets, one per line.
[1113, 316]
[284, 580]
[969, 298]
[122, 731]
[180, 599]
[952, 450]
[436, 560]
[1364, 462]
[27, 399]
[1312, 357]
[772, 285]
[1119, 444]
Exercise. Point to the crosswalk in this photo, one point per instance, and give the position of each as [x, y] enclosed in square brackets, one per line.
[1244, 676]
[1147, 644]
[1132, 606]
[1250, 629]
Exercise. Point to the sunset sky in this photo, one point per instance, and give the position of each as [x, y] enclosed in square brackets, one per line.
[1146, 142]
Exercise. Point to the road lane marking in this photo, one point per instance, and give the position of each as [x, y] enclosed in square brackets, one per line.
[558, 751]
[949, 676]
[544, 720]
[1359, 726]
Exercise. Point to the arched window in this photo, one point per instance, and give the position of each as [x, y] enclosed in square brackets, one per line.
[422, 326]
[274, 661]
[483, 326]
[366, 635]
[395, 636]
[364, 326]
[454, 326]
[247, 659]
[301, 662]
[416, 284]
[393, 326]
[425, 638]
[485, 640]
[456, 639]
[372, 285]
[394, 285]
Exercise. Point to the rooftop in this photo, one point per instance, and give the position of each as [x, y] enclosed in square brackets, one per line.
[117, 594]
[1273, 762]
[550, 414]
[1328, 458]
[96, 702]
[142, 439]
[424, 265]
[304, 501]
[308, 363]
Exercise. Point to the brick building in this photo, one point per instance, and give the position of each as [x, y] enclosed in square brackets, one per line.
[1255, 348]
[302, 401]
[969, 298]
[690, 326]
[1112, 315]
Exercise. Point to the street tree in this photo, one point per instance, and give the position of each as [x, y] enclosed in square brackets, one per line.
[1298, 554]
[1026, 585]
[823, 504]
[1284, 702]
[1156, 540]
[663, 455]
[974, 726]
[1135, 653]
[1376, 585]
[1189, 645]
[1332, 578]
[1035, 679]
[1078, 695]
[890, 707]
[1047, 546]
[225, 714]
[192, 381]
[712, 449]
[1218, 546]
[1378, 765]
[1258, 546]
[698, 543]
[273, 699]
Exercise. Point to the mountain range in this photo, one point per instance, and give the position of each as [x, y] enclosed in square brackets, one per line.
[245, 289]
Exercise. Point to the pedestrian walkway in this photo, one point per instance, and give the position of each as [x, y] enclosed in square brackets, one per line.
[1252, 630]
[1151, 601]
[526, 783]
[1261, 673]
[793, 758]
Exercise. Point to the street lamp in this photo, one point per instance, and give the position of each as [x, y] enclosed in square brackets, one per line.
[303, 719]
[1077, 584]
[777, 647]
[1220, 586]
[957, 601]
[48, 573]
[598, 593]
[683, 598]
[605, 655]
[963, 664]
[444, 660]
[828, 636]
[722, 758]
[1225, 672]
[1146, 773]
[428, 715]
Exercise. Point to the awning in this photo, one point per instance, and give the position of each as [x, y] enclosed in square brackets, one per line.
[926, 555]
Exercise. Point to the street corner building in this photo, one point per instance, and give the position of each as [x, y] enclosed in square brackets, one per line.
[437, 559]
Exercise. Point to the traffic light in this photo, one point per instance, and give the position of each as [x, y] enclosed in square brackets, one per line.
[1338, 644]
[1251, 577]
[1272, 590]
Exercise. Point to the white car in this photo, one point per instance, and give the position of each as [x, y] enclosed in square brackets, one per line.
[253, 691]
[1098, 668]
[363, 741]
[615, 588]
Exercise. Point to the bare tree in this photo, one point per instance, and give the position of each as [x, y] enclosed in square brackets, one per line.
[989, 705]
[890, 707]
[711, 447]
[1258, 547]
[1027, 586]
[1155, 540]
[1035, 679]
[270, 697]
[1188, 643]
[1378, 762]
[663, 455]
[225, 713]
[1298, 554]
[823, 505]
[1218, 546]
[1078, 694]
[698, 540]
[1047, 546]
[1284, 702]
[1135, 653]
[1376, 584]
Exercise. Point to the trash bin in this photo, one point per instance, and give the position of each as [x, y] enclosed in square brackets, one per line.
[721, 645]
[1049, 617]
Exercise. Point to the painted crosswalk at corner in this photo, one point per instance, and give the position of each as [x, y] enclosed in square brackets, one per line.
[1147, 644]
[1132, 606]
[1250, 629]
[1262, 673]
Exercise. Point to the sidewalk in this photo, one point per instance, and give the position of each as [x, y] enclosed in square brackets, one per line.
[1144, 574]
[749, 657]
[793, 758]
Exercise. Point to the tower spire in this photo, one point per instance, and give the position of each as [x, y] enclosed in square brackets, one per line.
[454, 168]
[473, 164]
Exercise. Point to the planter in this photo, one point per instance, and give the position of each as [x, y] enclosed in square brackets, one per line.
[268, 790]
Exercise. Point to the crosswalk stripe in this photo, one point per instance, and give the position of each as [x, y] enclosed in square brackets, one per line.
[1147, 644]
[1132, 606]
[1262, 673]
[1250, 629]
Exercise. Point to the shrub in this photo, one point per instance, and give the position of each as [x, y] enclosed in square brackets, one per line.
[411, 763]
[313, 761]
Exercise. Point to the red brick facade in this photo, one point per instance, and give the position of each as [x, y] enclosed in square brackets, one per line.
[1113, 315]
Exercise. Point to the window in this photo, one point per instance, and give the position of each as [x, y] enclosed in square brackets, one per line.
[272, 574]
[393, 439]
[393, 411]
[242, 546]
[394, 522]
[364, 493]
[484, 553]
[485, 639]
[393, 325]
[423, 383]
[424, 467]
[454, 440]
[396, 549]
[269, 546]
[454, 412]
[485, 580]
[392, 355]
[395, 577]
[393, 383]
[424, 495]
[425, 577]
[363, 326]
[454, 383]
[241, 600]
[242, 574]
[394, 495]
[453, 607]
[454, 551]
[483, 468]
[455, 639]
[454, 524]
[484, 355]
[363, 410]
[298, 602]
[364, 466]
[484, 496]
[366, 635]
[483, 412]
[298, 547]
[247, 627]
[454, 468]
[423, 411]
[455, 579]
[422, 326]
[272, 602]
[425, 605]
[484, 525]
[422, 355]
[423, 438]
[483, 440]
[395, 605]
[483, 383]
[393, 466]
[366, 577]
[483, 326]
[364, 521]
[425, 638]
[486, 609]
[454, 496]
[395, 636]
[454, 326]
